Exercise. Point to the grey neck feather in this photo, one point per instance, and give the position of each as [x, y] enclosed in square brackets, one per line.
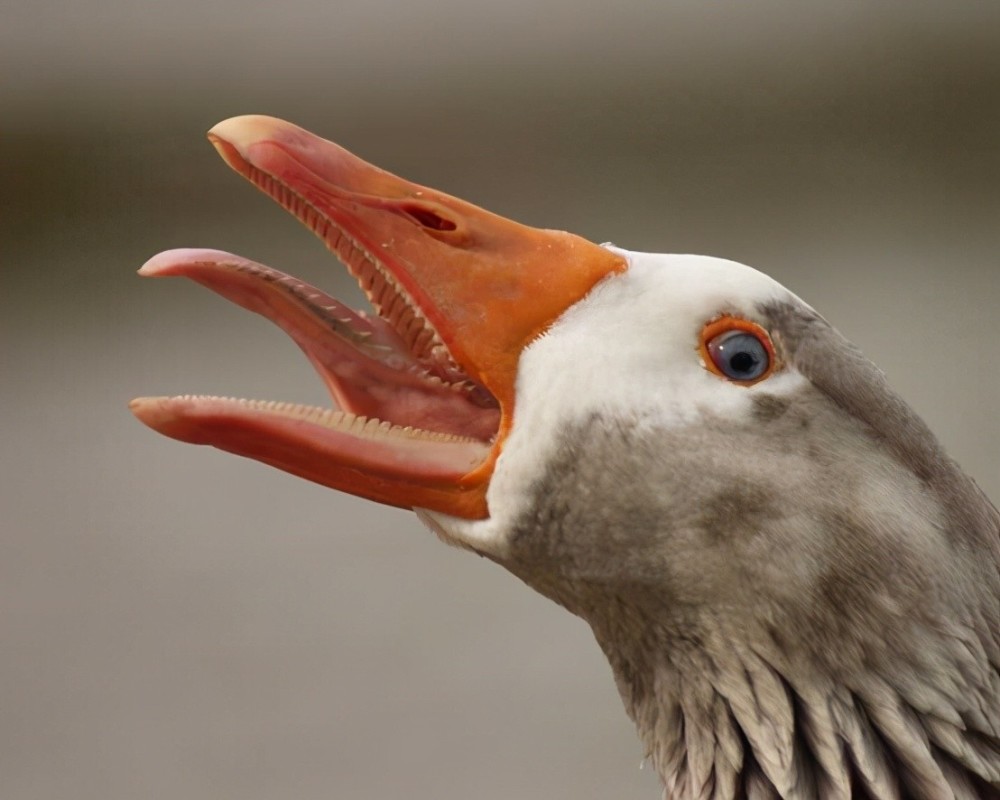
[805, 605]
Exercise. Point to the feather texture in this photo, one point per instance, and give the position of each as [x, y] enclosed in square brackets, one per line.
[833, 640]
[797, 590]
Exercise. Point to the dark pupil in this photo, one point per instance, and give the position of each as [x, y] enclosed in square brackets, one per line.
[742, 362]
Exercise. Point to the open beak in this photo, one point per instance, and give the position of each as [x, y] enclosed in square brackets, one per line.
[423, 392]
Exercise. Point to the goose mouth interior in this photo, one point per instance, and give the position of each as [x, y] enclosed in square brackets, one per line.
[423, 390]
[402, 406]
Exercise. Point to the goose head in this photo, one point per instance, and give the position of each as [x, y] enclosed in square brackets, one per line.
[797, 590]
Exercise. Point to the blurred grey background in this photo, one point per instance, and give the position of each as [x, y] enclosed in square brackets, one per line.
[179, 623]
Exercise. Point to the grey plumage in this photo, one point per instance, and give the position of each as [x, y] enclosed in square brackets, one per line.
[805, 605]
[798, 592]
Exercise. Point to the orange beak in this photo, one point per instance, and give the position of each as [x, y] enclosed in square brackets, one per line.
[424, 392]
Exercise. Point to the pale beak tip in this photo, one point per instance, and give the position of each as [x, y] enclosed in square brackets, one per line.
[243, 131]
[159, 265]
[153, 412]
[141, 407]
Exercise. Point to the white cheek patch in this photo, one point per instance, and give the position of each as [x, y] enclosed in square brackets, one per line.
[627, 351]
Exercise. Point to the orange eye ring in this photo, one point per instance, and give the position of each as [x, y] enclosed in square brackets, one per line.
[711, 345]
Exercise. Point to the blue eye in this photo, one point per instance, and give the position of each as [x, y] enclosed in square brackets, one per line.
[739, 355]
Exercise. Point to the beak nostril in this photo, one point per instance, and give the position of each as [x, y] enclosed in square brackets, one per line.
[428, 218]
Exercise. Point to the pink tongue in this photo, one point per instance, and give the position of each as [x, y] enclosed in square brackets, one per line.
[362, 361]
